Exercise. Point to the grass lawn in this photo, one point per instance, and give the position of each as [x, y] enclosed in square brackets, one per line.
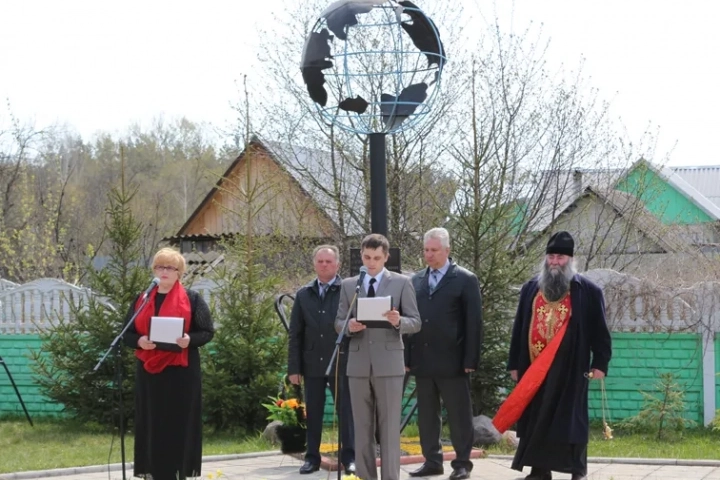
[67, 444]
[693, 444]
[59, 444]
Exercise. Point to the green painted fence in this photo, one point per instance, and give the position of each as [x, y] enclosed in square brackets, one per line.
[15, 351]
[638, 358]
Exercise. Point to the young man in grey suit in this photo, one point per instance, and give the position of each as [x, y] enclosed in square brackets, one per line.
[376, 365]
[444, 353]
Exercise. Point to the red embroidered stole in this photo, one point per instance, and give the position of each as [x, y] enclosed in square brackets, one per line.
[547, 329]
[547, 319]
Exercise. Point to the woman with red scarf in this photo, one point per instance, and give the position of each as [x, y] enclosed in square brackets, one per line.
[168, 394]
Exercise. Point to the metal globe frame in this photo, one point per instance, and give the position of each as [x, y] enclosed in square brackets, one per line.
[412, 38]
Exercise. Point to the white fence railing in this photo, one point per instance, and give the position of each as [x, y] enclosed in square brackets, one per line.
[34, 306]
[37, 305]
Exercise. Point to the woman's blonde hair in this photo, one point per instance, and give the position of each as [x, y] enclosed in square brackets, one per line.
[170, 256]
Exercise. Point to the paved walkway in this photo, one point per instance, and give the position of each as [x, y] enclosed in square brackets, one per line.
[281, 467]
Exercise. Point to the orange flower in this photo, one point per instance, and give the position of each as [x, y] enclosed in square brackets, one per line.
[292, 403]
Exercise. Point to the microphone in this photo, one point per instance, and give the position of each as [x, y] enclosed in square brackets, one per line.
[361, 278]
[153, 284]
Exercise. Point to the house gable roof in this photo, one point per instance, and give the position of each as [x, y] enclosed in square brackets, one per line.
[625, 206]
[317, 173]
[704, 179]
[680, 185]
[561, 188]
[255, 143]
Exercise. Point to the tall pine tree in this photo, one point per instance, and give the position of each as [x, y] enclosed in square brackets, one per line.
[71, 349]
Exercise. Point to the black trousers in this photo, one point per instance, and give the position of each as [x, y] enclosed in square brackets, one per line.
[455, 395]
[315, 409]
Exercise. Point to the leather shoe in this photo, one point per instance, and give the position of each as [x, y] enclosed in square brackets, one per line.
[536, 474]
[578, 477]
[428, 471]
[309, 467]
[459, 474]
[350, 468]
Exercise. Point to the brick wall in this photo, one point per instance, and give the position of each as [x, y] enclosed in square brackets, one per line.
[15, 351]
[638, 359]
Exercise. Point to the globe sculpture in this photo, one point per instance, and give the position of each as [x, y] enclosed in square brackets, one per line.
[373, 67]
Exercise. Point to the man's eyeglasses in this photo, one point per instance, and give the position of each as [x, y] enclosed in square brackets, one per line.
[160, 268]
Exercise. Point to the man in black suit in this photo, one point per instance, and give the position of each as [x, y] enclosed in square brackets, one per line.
[444, 353]
[311, 344]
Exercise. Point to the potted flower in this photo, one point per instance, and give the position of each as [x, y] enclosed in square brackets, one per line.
[291, 412]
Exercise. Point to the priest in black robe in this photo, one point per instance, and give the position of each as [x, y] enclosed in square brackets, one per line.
[553, 428]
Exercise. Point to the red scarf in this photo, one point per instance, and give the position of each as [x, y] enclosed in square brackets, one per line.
[176, 304]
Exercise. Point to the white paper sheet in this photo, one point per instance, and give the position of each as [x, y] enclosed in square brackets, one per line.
[166, 329]
[372, 309]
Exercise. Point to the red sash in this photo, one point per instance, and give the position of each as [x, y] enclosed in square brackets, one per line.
[176, 304]
[548, 327]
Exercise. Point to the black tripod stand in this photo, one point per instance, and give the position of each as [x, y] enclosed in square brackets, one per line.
[116, 345]
[17, 392]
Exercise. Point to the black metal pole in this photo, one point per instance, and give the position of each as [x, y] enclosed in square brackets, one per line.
[17, 392]
[121, 415]
[335, 357]
[378, 184]
[339, 392]
[117, 347]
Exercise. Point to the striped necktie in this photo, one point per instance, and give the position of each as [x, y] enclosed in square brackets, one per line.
[433, 280]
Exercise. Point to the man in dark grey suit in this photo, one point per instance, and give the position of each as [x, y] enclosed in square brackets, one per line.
[444, 353]
[311, 344]
[376, 366]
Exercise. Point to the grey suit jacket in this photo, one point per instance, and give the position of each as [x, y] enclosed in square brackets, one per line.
[380, 350]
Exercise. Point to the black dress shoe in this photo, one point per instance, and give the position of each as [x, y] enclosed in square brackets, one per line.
[309, 467]
[350, 468]
[427, 471]
[537, 474]
[578, 477]
[459, 473]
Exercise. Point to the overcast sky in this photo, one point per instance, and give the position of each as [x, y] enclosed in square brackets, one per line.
[100, 65]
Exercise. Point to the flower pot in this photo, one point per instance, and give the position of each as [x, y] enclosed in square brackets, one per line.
[292, 438]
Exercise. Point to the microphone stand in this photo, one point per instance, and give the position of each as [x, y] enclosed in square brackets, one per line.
[338, 381]
[117, 346]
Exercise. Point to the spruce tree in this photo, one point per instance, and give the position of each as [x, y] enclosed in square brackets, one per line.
[71, 349]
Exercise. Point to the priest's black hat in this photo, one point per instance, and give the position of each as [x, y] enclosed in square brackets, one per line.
[561, 243]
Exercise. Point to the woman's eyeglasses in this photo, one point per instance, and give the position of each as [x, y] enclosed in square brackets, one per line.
[160, 268]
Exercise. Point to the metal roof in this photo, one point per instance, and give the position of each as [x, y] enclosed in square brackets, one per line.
[556, 190]
[704, 179]
[318, 175]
